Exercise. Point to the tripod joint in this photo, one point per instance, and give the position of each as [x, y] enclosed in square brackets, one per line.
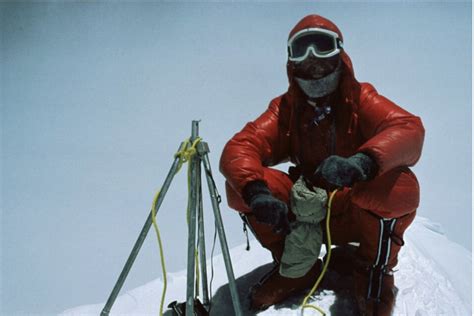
[202, 148]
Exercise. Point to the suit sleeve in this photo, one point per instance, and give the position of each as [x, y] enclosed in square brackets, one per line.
[262, 142]
[394, 137]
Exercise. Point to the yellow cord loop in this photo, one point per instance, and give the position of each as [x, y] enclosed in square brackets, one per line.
[326, 262]
[160, 245]
[184, 154]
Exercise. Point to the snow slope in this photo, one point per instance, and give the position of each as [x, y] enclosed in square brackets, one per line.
[434, 278]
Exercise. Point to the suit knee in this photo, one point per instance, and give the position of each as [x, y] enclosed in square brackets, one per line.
[393, 194]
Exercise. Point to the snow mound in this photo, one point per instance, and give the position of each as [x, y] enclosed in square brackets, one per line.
[434, 278]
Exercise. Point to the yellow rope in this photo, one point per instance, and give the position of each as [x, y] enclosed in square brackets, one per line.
[162, 258]
[326, 262]
[184, 154]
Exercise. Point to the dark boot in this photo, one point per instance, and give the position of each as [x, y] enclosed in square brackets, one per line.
[381, 240]
[382, 299]
[274, 288]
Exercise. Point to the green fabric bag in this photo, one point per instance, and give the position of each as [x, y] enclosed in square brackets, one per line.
[303, 244]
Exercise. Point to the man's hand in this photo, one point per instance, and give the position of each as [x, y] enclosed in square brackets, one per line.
[344, 172]
[266, 208]
[271, 211]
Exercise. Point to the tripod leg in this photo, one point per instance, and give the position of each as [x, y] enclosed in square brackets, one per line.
[202, 240]
[192, 225]
[139, 242]
[222, 239]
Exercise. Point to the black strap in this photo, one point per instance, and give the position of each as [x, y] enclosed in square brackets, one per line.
[247, 236]
[395, 238]
[379, 268]
[246, 232]
[214, 187]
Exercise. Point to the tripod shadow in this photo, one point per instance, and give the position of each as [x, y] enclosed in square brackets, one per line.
[338, 280]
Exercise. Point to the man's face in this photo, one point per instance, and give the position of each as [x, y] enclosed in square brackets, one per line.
[315, 67]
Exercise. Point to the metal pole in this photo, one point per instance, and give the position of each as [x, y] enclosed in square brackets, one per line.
[202, 240]
[140, 240]
[222, 239]
[192, 227]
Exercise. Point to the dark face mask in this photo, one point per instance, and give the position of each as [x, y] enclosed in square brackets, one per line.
[315, 67]
[318, 77]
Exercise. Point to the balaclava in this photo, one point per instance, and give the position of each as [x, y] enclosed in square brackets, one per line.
[318, 77]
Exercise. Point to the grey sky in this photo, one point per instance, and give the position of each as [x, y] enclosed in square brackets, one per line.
[96, 98]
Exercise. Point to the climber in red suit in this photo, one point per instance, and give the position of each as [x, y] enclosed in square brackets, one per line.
[338, 133]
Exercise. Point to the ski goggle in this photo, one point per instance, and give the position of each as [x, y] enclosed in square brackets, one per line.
[321, 42]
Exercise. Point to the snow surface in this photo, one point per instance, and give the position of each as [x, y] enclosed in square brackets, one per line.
[434, 278]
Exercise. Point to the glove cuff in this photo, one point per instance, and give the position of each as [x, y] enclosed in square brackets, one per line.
[368, 165]
[254, 188]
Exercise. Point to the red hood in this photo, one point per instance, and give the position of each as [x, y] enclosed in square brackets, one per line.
[348, 83]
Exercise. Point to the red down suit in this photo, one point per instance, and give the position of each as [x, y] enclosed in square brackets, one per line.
[374, 213]
[363, 121]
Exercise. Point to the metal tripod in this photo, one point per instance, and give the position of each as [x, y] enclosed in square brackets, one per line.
[196, 216]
